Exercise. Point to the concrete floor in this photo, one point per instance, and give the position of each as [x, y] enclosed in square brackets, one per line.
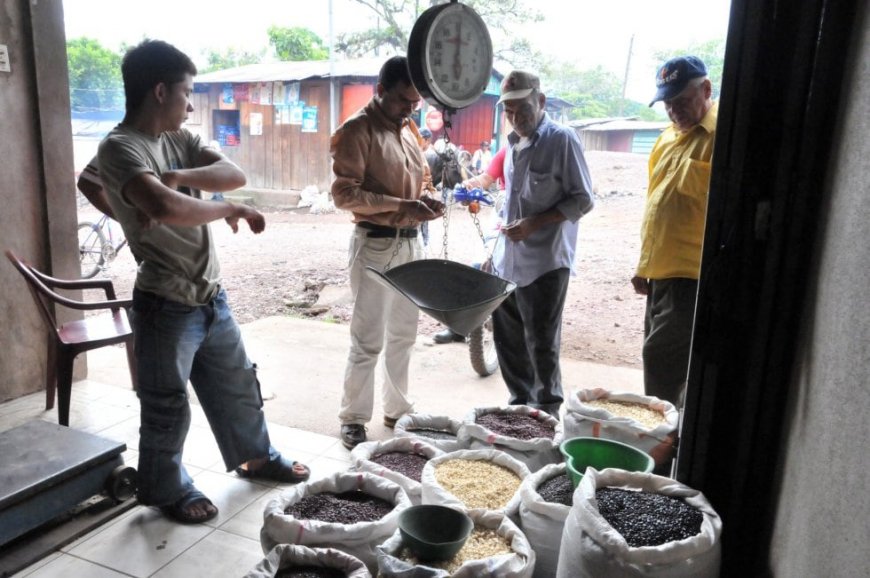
[301, 366]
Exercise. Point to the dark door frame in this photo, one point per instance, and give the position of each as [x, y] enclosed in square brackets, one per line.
[781, 95]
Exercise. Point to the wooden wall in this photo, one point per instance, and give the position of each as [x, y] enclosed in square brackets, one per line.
[283, 157]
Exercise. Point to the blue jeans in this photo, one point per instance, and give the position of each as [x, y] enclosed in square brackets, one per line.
[176, 343]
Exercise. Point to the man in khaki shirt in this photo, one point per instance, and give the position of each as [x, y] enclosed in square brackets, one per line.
[380, 176]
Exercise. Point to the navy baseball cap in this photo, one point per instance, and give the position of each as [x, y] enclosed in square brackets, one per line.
[675, 74]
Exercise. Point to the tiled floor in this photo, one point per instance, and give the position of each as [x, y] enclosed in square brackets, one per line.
[141, 542]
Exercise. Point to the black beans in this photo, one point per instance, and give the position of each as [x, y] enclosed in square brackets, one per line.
[516, 425]
[435, 434]
[557, 490]
[310, 572]
[408, 464]
[343, 508]
[648, 519]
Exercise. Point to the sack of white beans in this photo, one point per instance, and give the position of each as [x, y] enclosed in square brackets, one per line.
[496, 547]
[679, 537]
[641, 421]
[542, 520]
[472, 480]
[287, 557]
[400, 460]
[530, 435]
[441, 431]
[358, 534]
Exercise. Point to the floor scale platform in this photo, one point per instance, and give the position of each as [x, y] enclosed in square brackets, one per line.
[47, 471]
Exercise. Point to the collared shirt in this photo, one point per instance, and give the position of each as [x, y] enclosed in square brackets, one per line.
[676, 208]
[548, 172]
[373, 158]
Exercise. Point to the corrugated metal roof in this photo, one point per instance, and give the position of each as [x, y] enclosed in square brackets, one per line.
[629, 125]
[617, 123]
[294, 71]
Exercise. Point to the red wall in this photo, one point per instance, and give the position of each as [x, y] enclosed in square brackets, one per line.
[353, 98]
[473, 124]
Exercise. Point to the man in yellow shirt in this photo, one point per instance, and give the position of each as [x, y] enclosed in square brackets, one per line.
[673, 224]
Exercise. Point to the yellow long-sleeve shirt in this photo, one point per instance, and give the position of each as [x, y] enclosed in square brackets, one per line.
[676, 208]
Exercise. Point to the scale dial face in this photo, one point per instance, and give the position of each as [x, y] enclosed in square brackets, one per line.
[452, 54]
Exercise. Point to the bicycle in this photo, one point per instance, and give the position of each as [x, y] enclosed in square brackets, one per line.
[97, 246]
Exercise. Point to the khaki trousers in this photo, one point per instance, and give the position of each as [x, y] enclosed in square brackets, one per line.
[383, 328]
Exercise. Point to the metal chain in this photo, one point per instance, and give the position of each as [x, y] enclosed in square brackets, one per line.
[395, 252]
[447, 210]
[445, 194]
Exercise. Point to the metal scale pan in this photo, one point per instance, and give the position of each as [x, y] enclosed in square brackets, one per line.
[459, 296]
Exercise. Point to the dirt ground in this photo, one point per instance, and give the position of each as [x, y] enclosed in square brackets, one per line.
[298, 265]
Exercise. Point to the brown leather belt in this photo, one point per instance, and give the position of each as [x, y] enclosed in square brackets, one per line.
[374, 231]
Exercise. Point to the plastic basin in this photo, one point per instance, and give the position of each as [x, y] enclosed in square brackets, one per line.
[582, 453]
[434, 532]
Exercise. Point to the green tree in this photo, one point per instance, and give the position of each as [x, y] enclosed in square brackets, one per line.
[94, 76]
[594, 92]
[229, 58]
[396, 18]
[712, 52]
[297, 44]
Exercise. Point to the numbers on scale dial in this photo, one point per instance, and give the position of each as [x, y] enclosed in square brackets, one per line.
[454, 58]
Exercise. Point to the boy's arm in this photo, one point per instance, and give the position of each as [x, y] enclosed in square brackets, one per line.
[158, 199]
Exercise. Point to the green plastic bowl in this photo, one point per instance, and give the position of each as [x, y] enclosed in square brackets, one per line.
[582, 453]
[434, 532]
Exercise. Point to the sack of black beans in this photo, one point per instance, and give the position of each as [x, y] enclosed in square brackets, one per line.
[440, 431]
[287, 558]
[400, 460]
[644, 422]
[545, 501]
[634, 524]
[496, 547]
[472, 480]
[349, 511]
[530, 435]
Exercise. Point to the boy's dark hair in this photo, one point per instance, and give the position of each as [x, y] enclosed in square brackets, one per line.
[148, 64]
[393, 71]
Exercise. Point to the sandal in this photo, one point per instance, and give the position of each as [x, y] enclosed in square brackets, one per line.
[179, 510]
[278, 469]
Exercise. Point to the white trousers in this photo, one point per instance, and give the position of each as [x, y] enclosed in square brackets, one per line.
[383, 321]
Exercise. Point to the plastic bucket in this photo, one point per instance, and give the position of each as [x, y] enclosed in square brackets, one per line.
[582, 453]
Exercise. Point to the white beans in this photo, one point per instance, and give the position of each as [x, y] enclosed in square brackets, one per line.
[645, 415]
[478, 483]
[481, 544]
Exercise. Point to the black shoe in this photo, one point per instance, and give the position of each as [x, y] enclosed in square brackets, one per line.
[352, 434]
[447, 336]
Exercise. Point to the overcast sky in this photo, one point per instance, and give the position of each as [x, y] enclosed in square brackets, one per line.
[586, 32]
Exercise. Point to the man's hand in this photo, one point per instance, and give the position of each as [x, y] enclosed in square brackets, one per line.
[435, 205]
[256, 220]
[521, 229]
[641, 285]
[421, 211]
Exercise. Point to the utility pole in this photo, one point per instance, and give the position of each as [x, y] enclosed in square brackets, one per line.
[333, 102]
[625, 78]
